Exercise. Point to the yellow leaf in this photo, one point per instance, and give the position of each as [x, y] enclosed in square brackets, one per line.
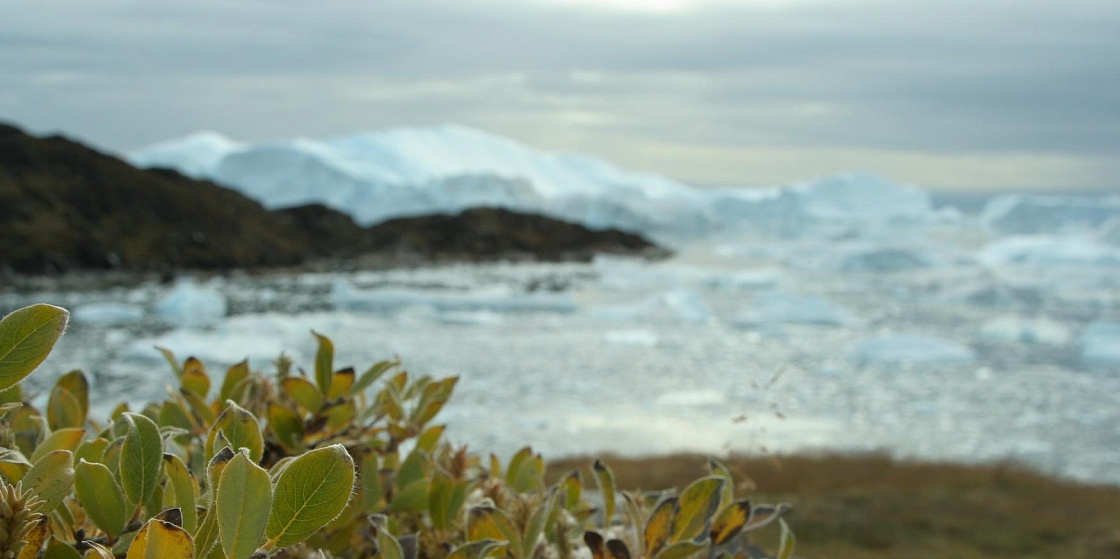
[730, 521]
[658, 526]
[161, 540]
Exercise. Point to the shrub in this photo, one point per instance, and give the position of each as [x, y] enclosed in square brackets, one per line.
[312, 465]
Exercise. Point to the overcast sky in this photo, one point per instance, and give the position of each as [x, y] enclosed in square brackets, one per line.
[944, 93]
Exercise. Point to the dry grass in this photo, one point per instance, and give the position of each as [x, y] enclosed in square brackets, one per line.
[873, 507]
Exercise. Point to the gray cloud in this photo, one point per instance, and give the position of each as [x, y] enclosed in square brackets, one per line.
[944, 78]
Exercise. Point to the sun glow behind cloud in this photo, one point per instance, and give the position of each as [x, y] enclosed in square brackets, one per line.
[660, 6]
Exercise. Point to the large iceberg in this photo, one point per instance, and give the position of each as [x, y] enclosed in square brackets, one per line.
[410, 171]
[1019, 214]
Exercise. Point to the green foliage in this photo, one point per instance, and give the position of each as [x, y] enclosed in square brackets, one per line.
[347, 464]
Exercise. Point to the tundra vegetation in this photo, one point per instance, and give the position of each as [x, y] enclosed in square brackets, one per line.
[328, 463]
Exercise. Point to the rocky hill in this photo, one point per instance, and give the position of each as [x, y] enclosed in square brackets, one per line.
[64, 206]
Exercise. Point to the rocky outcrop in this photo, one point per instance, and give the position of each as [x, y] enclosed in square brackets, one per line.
[64, 207]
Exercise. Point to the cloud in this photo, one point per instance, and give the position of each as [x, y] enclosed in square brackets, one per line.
[948, 80]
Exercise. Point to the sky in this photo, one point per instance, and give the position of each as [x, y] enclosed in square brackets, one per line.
[965, 94]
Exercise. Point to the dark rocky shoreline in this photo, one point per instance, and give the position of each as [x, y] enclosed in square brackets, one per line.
[66, 208]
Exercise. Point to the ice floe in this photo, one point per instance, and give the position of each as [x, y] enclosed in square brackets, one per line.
[189, 303]
[911, 349]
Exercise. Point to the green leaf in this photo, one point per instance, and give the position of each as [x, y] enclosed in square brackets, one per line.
[489, 523]
[310, 492]
[240, 428]
[413, 469]
[324, 363]
[445, 499]
[604, 477]
[303, 392]
[371, 483]
[287, 426]
[26, 338]
[92, 450]
[234, 377]
[57, 549]
[62, 439]
[69, 401]
[13, 465]
[171, 360]
[244, 497]
[695, 508]
[681, 550]
[141, 458]
[428, 441]
[480, 549]
[100, 496]
[785, 549]
[341, 382]
[718, 469]
[535, 527]
[194, 377]
[525, 471]
[411, 498]
[184, 488]
[389, 546]
[51, 478]
[159, 539]
[372, 374]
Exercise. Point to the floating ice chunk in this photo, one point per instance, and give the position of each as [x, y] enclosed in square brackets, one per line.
[638, 338]
[471, 318]
[1100, 346]
[1109, 232]
[862, 196]
[1032, 214]
[745, 280]
[674, 305]
[345, 296]
[1045, 251]
[1012, 329]
[883, 259]
[107, 314]
[910, 349]
[191, 304]
[704, 397]
[787, 308]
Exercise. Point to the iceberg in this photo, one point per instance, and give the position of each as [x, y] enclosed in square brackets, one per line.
[1100, 346]
[787, 308]
[196, 156]
[1019, 214]
[107, 314]
[191, 304]
[1049, 251]
[411, 171]
[345, 296]
[910, 349]
[1031, 331]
